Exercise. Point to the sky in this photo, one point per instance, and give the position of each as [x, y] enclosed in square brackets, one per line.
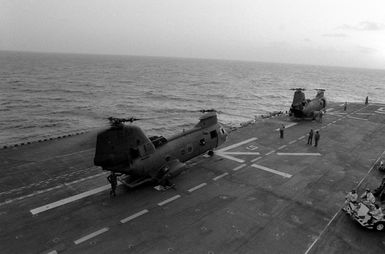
[348, 33]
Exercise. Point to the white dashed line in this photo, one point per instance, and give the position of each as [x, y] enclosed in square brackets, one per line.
[52, 252]
[134, 216]
[69, 199]
[169, 200]
[92, 235]
[302, 137]
[300, 154]
[254, 160]
[272, 171]
[241, 153]
[197, 187]
[281, 147]
[239, 167]
[292, 142]
[220, 176]
[270, 152]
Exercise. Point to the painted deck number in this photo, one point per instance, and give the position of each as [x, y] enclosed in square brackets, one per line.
[252, 147]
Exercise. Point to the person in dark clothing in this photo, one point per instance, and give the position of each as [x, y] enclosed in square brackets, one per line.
[281, 131]
[345, 106]
[316, 138]
[366, 100]
[310, 138]
[112, 178]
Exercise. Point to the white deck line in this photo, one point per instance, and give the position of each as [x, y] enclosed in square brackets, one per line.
[220, 176]
[230, 157]
[241, 153]
[281, 147]
[52, 252]
[292, 142]
[380, 112]
[69, 200]
[329, 109]
[270, 152]
[254, 160]
[169, 200]
[92, 235]
[272, 170]
[136, 215]
[357, 118]
[302, 137]
[288, 126]
[300, 154]
[239, 167]
[237, 144]
[197, 187]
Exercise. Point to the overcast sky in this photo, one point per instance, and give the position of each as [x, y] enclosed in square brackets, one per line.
[321, 32]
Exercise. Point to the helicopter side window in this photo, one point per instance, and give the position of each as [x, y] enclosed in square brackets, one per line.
[134, 152]
[202, 142]
[213, 134]
[189, 148]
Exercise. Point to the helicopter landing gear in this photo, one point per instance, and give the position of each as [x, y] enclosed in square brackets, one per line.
[210, 153]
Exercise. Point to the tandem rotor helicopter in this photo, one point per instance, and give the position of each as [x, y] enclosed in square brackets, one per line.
[137, 159]
[305, 108]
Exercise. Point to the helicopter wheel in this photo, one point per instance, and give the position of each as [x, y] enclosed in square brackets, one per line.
[211, 153]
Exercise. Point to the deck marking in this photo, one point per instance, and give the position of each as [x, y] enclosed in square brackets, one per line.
[237, 144]
[69, 199]
[329, 109]
[134, 216]
[169, 200]
[254, 160]
[300, 154]
[339, 210]
[357, 118]
[87, 237]
[292, 142]
[270, 152]
[281, 147]
[50, 189]
[364, 113]
[242, 153]
[239, 167]
[197, 187]
[272, 170]
[334, 122]
[287, 126]
[302, 137]
[220, 176]
[52, 252]
[230, 157]
[380, 112]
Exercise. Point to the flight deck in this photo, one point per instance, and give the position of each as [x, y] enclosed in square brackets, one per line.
[259, 193]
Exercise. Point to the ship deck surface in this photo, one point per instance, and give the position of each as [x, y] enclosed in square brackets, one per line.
[257, 194]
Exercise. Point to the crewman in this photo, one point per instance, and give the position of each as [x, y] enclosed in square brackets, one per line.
[366, 100]
[320, 116]
[164, 179]
[316, 138]
[376, 214]
[281, 131]
[368, 198]
[310, 138]
[351, 197]
[345, 105]
[112, 178]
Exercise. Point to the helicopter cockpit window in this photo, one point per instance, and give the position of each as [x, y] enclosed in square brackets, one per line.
[213, 134]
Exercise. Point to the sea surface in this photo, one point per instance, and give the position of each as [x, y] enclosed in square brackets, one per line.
[47, 95]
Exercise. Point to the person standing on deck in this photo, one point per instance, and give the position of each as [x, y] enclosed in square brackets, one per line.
[112, 178]
[316, 138]
[310, 138]
[281, 131]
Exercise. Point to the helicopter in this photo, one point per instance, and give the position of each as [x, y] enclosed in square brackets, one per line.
[137, 159]
[306, 108]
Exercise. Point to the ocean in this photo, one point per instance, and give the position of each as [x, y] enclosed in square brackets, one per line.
[48, 95]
